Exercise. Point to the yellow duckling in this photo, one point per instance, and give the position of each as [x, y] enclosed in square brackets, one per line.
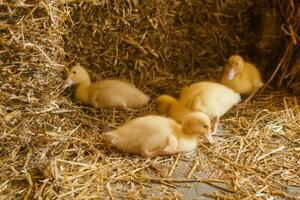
[157, 136]
[106, 93]
[172, 107]
[211, 98]
[242, 77]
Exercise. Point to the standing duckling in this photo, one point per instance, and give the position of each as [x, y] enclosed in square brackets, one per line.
[153, 135]
[242, 77]
[106, 93]
[211, 98]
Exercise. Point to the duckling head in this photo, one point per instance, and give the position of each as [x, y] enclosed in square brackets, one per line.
[164, 103]
[77, 75]
[197, 124]
[235, 66]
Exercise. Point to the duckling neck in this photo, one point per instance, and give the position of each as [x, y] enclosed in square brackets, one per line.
[171, 106]
[82, 92]
[188, 131]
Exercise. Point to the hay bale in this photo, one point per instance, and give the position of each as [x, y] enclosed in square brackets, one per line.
[51, 147]
[286, 70]
[159, 37]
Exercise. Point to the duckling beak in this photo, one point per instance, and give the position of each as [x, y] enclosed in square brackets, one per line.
[231, 74]
[68, 83]
[209, 138]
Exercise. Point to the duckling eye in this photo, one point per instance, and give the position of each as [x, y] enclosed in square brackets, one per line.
[74, 72]
[205, 126]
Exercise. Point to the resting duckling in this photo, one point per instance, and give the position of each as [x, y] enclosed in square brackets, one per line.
[153, 135]
[242, 77]
[211, 98]
[106, 93]
[170, 106]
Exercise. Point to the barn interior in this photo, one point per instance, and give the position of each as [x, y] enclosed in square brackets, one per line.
[52, 147]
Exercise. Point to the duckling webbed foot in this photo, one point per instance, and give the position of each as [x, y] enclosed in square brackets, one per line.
[95, 104]
[122, 107]
[215, 126]
[242, 105]
[148, 154]
[245, 102]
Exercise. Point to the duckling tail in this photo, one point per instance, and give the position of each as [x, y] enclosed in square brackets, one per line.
[110, 137]
[139, 101]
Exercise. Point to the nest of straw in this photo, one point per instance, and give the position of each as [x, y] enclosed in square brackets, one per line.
[51, 147]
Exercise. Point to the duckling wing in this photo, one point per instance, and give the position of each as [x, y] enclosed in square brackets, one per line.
[118, 93]
[219, 100]
[214, 99]
[195, 103]
[255, 77]
[202, 103]
[191, 97]
[149, 132]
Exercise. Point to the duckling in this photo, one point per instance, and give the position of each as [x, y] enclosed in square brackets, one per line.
[211, 98]
[172, 107]
[154, 135]
[241, 76]
[106, 93]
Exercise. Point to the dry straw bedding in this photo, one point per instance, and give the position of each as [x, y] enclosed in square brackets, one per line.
[52, 148]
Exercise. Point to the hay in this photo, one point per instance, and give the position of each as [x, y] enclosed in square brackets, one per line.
[51, 147]
[288, 67]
